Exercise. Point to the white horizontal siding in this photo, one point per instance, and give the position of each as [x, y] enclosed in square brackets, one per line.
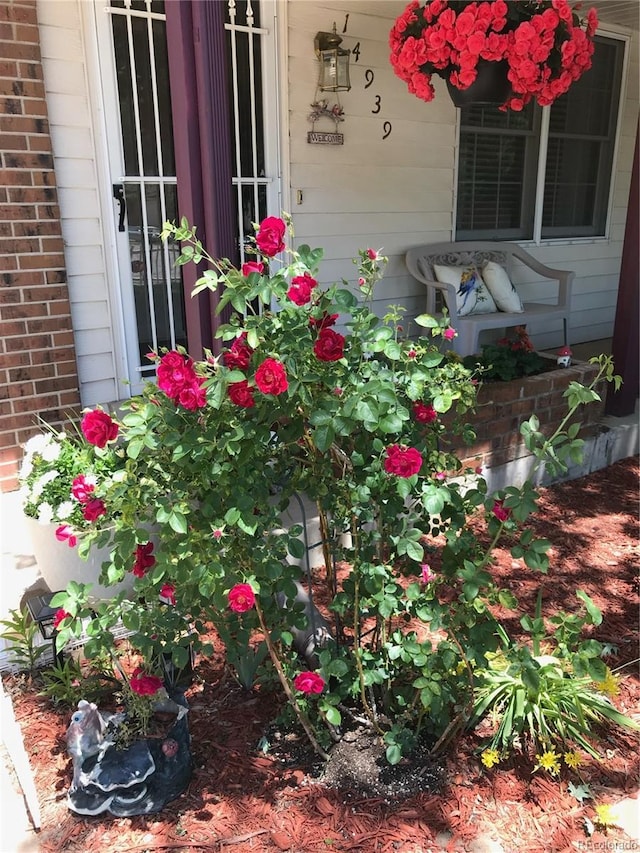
[399, 192]
[65, 76]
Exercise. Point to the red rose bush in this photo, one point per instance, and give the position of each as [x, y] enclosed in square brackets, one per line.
[541, 42]
[308, 394]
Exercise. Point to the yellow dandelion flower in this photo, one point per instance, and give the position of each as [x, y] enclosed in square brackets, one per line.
[572, 759]
[606, 815]
[610, 685]
[490, 757]
[549, 761]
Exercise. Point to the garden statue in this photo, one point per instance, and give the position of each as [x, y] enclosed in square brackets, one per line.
[139, 778]
[564, 357]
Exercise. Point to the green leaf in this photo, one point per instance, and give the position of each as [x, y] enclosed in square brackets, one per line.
[426, 321]
[415, 551]
[333, 715]
[178, 522]
[323, 437]
[296, 548]
[594, 613]
[393, 753]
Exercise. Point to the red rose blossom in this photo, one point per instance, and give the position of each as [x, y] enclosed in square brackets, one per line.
[271, 377]
[402, 461]
[178, 379]
[99, 428]
[144, 559]
[241, 598]
[424, 414]
[269, 237]
[241, 394]
[501, 512]
[301, 289]
[168, 591]
[323, 322]
[60, 615]
[252, 266]
[144, 684]
[93, 509]
[240, 353]
[309, 682]
[329, 345]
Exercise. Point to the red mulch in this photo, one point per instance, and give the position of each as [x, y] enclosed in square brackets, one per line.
[240, 800]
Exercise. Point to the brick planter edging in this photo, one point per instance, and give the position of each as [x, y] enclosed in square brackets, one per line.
[503, 406]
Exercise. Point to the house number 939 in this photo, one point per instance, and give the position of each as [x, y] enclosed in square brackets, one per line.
[369, 77]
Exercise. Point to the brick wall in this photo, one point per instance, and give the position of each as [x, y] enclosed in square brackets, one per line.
[504, 406]
[38, 373]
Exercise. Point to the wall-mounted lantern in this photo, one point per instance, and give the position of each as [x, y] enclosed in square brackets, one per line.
[334, 62]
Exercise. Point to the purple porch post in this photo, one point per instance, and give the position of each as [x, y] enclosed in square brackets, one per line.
[199, 95]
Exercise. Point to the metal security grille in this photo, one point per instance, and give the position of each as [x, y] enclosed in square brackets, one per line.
[247, 41]
[147, 189]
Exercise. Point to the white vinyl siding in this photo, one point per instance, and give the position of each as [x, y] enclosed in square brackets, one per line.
[65, 78]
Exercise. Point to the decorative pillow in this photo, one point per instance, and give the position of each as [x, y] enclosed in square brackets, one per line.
[472, 296]
[501, 288]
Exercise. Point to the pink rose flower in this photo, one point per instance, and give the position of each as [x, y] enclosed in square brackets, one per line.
[402, 461]
[98, 427]
[269, 238]
[449, 334]
[309, 682]
[81, 489]
[372, 254]
[427, 574]
[271, 377]
[64, 533]
[168, 592]
[241, 598]
[144, 684]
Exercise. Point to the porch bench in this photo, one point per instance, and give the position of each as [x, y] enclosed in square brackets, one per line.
[421, 259]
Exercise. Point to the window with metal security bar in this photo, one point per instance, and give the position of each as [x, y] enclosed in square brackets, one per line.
[499, 190]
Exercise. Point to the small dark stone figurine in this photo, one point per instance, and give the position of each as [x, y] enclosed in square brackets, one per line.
[140, 779]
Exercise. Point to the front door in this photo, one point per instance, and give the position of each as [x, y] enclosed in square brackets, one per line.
[132, 49]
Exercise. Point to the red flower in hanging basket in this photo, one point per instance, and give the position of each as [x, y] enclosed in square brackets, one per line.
[541, 43]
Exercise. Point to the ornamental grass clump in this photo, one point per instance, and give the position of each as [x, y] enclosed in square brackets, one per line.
[312, 394]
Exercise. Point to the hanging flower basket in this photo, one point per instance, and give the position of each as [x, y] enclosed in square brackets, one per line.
[490, 88]
[541, 44]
